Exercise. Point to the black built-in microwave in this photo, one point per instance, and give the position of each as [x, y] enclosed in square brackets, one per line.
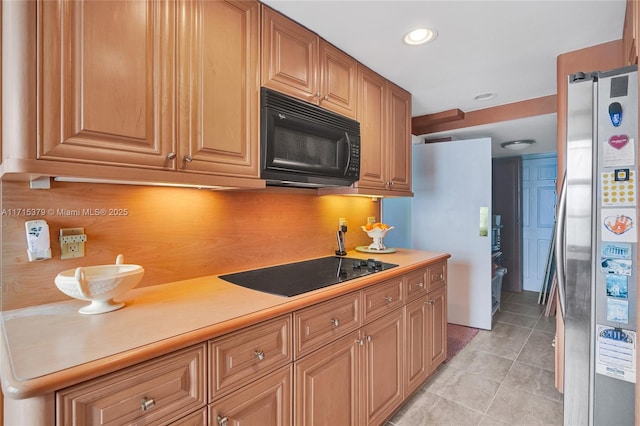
[304, 145]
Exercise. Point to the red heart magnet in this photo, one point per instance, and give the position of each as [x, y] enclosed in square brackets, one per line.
[618, 141]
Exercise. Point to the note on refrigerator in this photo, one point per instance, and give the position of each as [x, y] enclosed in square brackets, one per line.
[616, 353]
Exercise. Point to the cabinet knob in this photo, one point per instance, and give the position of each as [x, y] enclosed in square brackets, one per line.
[335, 322]
[360, 342]
[222, 421]
[171, 156]
[430, 302]
[318, 94]
[326, 97]
[147, 403]
[187, 159]
[259, 355]
[420, 285]
[368, 338]
[388, 298]
[438, 277]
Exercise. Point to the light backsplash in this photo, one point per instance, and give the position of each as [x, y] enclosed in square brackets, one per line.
[174, 233]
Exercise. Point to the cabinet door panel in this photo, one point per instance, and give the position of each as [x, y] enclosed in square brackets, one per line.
[372, 117]
[383, 366]
[289, 56]
[438, 327]
[218, 91]
[107, 94]
[338, 80]
[327, 386]
[416, 348]
[266, 402]
[399, 153]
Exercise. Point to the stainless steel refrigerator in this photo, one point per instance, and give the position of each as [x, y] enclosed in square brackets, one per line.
[596, 248]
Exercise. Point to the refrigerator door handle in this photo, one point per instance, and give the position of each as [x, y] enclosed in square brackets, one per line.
[560, 245]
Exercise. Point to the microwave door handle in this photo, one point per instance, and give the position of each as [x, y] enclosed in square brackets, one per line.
[346, 136]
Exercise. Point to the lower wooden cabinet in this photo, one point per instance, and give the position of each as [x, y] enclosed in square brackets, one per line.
[382, 367]
[437, 328]
[327, 364]
[426, 337]
[238, 358]
[265, 402]
[417, 360]
[199, 418]
[156, 392]
[327, 384]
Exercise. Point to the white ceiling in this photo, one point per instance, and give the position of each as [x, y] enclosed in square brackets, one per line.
[508, 47]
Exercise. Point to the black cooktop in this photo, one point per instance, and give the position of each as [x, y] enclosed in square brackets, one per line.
[300, 277]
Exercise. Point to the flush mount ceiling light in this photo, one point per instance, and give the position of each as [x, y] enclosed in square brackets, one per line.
[420, 36]
[484, 96]
[518, 145]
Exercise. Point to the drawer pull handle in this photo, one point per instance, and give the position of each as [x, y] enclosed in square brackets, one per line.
[259, 355]
[430, 302]
[335, 322]
[147, 403]
[388, 298]
[222, 421]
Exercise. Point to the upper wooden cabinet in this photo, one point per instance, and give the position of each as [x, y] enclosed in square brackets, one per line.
[630, 33]
[107, 94]
[384, 113]
[297, 62]
[218, 76]
[154, 84]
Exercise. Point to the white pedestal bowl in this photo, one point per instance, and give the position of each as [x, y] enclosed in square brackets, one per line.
[377, 234]
[99, 284]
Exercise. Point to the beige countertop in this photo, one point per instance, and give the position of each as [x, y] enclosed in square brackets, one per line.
[51, 346]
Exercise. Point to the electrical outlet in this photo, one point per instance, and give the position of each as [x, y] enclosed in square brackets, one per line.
[371, 219]
[72, 242]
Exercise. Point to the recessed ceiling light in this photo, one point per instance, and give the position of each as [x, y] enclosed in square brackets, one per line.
[484, 96]
[420, 36]
[518, 145]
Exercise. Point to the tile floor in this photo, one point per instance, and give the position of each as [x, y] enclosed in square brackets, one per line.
[502, 377]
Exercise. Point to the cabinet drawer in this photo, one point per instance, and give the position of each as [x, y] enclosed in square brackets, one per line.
[242, 356]
[320, 324]
[382, 298]
[415, 284]
[436, 276]
[154, 392]
[199, 418]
